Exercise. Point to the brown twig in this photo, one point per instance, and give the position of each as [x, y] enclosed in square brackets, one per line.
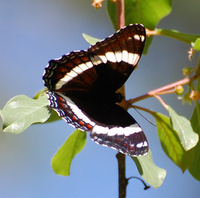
[122, 180]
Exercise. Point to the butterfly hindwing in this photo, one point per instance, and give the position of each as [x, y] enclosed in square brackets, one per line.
[105, 124]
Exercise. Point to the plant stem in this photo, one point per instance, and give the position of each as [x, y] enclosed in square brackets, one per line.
[120, 14]
[165, 89]
[122, 175]
[122, 181]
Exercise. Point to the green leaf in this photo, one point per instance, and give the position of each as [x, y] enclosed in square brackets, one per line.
[196, 118]
[184, 129]
[53, 117]
[40, 93]
[146, 12]
[194, 169]
[61, 162]
[188, 38]
[91, 40]
[171, 144]
[149, 13]
[53, 114]
[197, 44]
[21, 111]
[149, 171]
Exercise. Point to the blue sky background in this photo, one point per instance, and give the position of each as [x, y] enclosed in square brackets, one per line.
[32, 33]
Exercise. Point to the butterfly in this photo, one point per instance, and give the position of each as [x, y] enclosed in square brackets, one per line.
[82, 89]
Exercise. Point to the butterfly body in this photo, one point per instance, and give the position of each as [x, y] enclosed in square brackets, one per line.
[82, 89]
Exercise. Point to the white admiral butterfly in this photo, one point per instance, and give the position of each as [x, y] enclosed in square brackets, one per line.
[82, 89]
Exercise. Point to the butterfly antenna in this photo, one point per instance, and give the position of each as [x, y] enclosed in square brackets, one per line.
[130, 105]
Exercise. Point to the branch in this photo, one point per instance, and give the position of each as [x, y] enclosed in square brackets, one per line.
[122, 175]
[187, 38]
[120, 14]
[170, 88]
[122, 181]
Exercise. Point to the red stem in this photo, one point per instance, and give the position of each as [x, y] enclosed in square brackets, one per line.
[164, 89]
[120, 14]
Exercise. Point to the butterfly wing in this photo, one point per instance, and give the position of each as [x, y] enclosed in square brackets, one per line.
[109, 125]
[105, 66]
[117, 56]
[82, 89]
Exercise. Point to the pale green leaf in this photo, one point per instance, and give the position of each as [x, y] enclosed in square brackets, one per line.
[21, 111]
[171, 144]
[149, 171]
[54, 115]
[91, 40]
[184, 129]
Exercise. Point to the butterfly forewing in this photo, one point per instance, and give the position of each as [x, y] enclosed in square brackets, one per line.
[119, 54]
[82, 86]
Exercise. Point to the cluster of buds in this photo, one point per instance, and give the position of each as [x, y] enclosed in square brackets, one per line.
[98, 3]
[194, 95]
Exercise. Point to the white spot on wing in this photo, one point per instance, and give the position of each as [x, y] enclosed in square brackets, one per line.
[103, 58]
[136, 37]
[63, 81]
[72, 74]
[135, 59]
[145, 144]
[142, 37]
[111, 57]
[100, 130]
[83, 66]
[78, 70]
[89, 64]
[140, 145]
[118, 56]
[125, 56]
[130, 58]
[135, 128]
[96, 60]
[117, 130]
